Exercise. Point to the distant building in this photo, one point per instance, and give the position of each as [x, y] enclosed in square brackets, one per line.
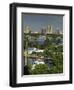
[27, 29]
[57, 31]
[43, 31]
[47, 30]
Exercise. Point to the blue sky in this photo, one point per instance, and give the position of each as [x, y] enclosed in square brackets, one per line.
[37, 21]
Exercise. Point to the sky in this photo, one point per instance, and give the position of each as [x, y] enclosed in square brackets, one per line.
[38, 21]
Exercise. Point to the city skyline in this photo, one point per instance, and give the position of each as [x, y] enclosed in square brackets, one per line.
[38, 21]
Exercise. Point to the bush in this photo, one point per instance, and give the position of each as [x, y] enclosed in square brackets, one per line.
[40, 69]
[55, 69]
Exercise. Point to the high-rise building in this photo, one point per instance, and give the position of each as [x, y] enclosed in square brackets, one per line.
[47, 30]
[27, 29]
[43, 31]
